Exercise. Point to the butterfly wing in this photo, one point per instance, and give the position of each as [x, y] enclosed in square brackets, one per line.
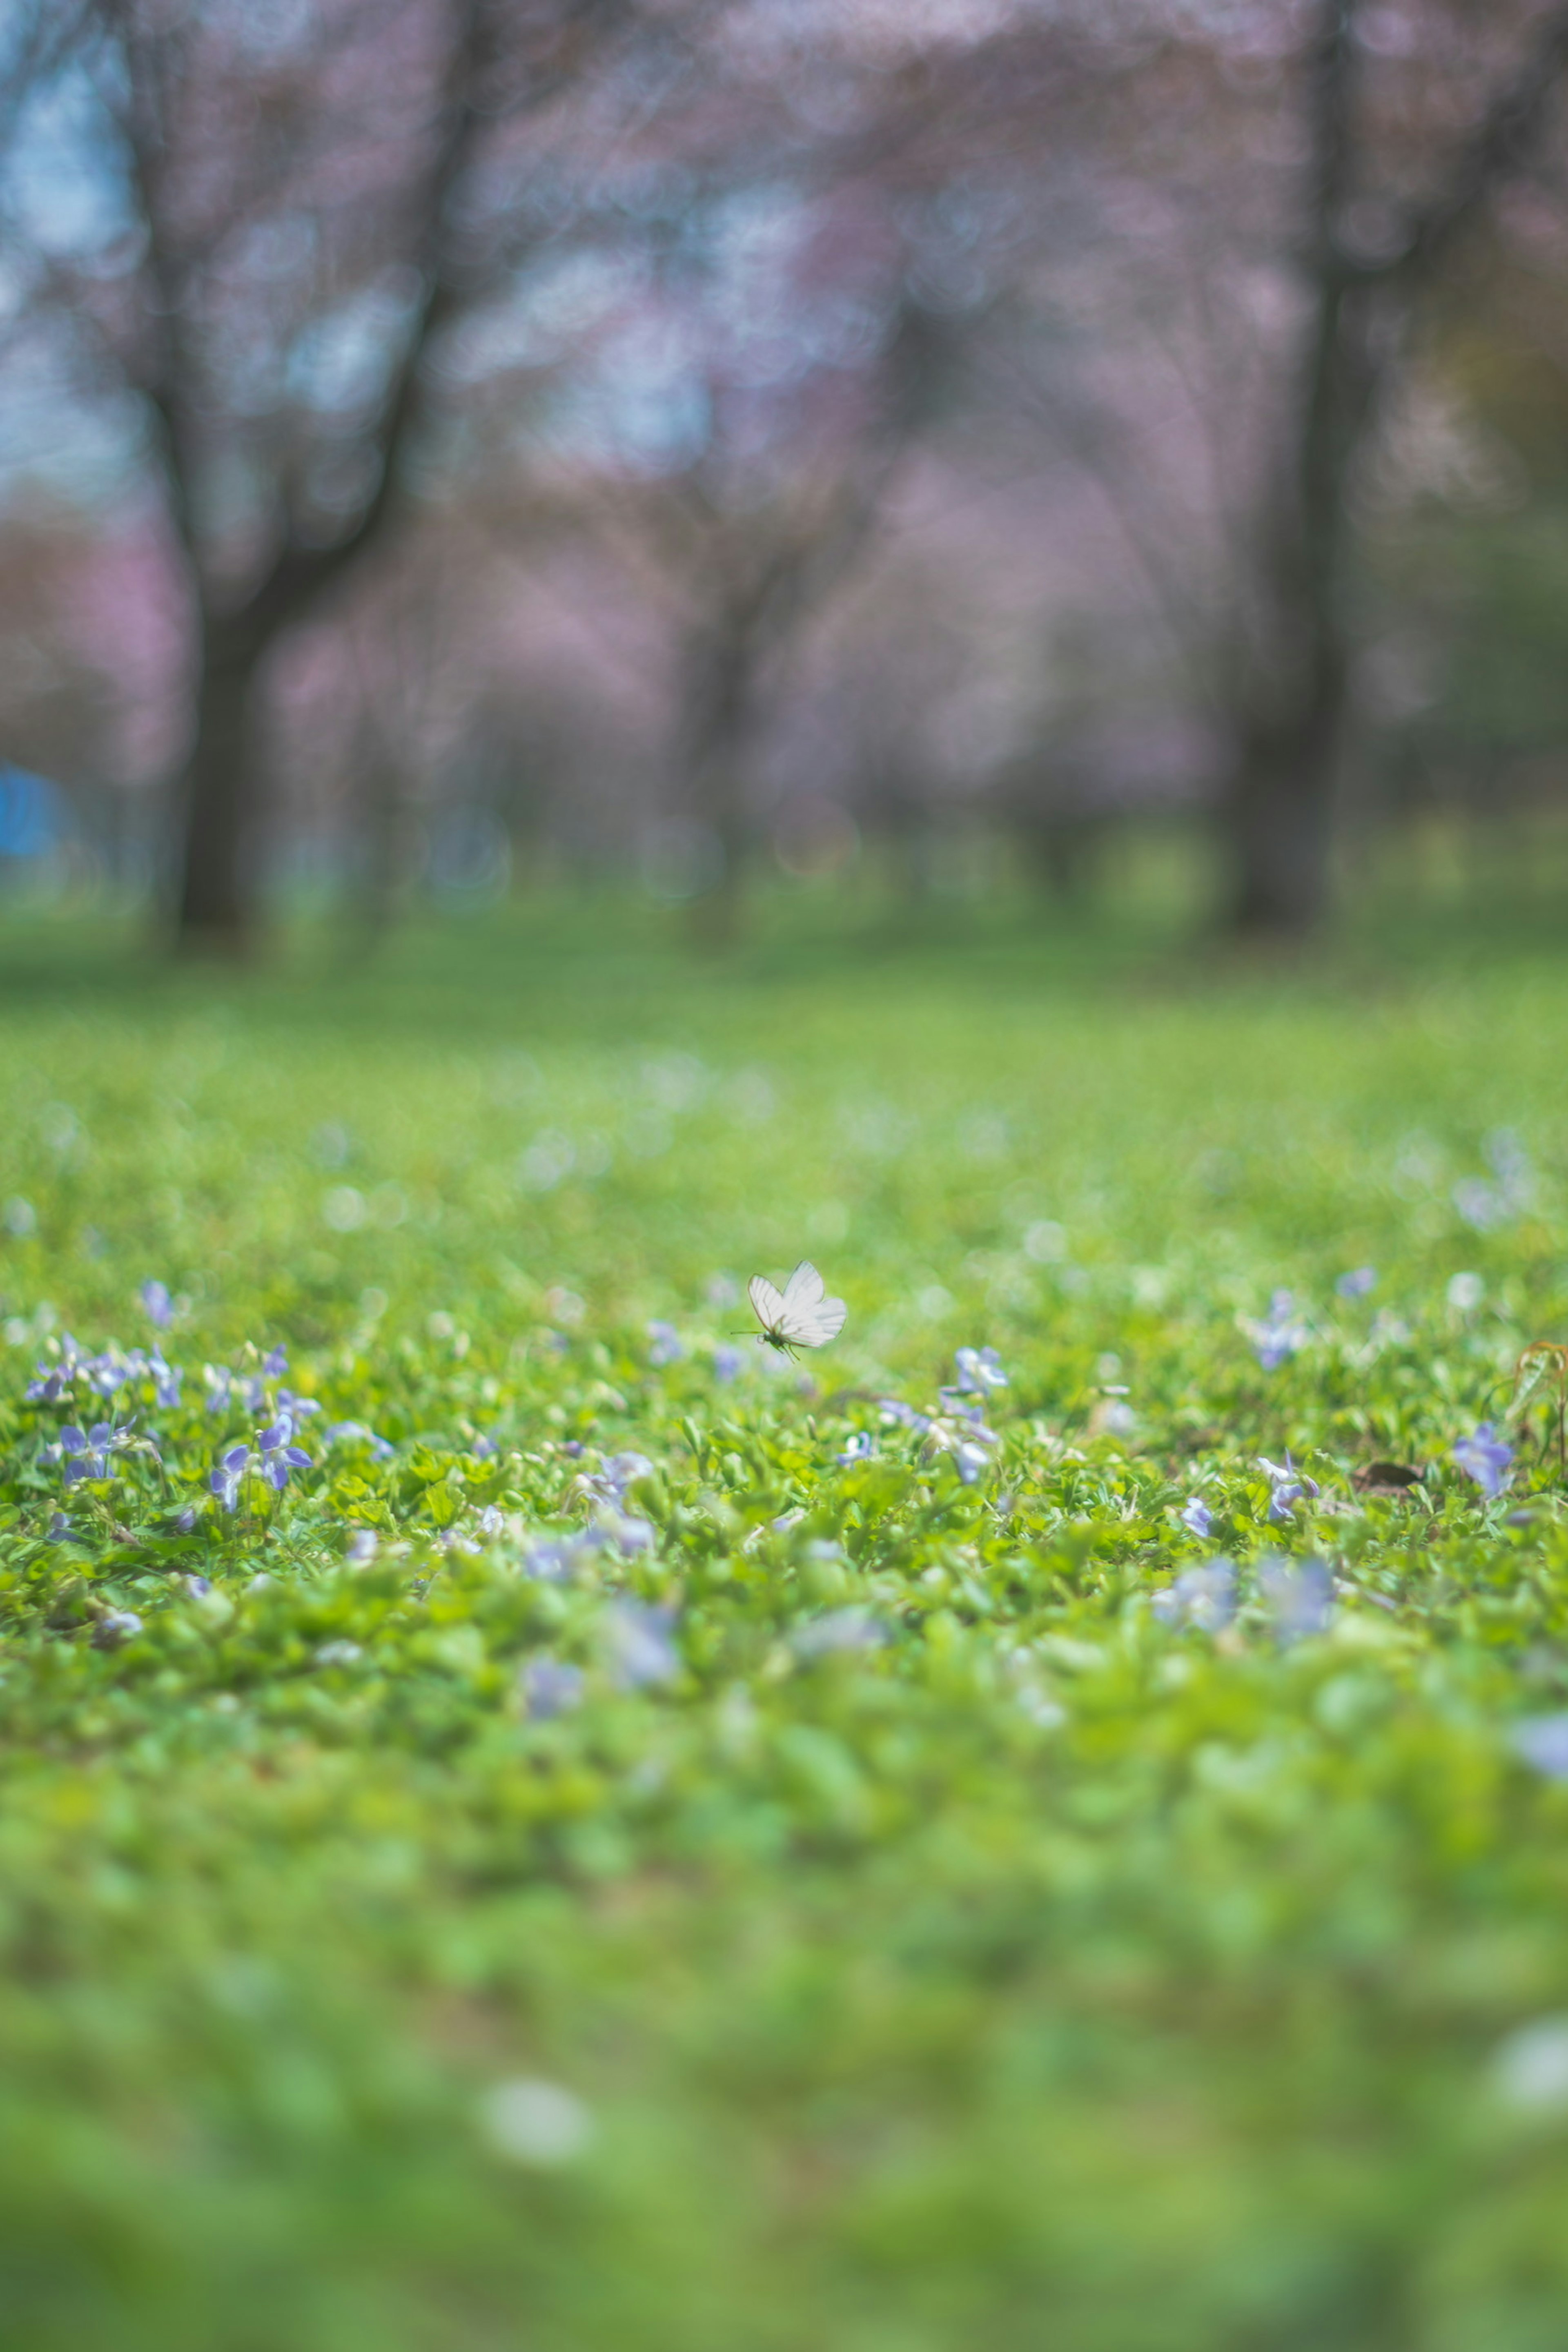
[804, 1288]
[767, 1303]
[807, 1319]
[817, 1325]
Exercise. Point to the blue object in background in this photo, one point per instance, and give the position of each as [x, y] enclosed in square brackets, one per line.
[32, 814]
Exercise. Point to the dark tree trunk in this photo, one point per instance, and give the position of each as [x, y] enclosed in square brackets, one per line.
[1281, 824]
[216, 906]
[719, 710]
[1291, 704]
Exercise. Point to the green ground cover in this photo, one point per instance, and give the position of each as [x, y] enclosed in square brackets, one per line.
[641, 1845]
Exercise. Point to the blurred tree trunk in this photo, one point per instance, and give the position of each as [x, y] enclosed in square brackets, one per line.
[1289, 688]
[1293, 669]
[217, 152]
[219, 813]
[718, 705]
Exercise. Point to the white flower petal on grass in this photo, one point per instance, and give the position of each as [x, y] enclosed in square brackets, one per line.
[532, 2122]
[1529, 2067]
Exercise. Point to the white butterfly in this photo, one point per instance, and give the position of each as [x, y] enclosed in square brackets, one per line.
[798, 1317]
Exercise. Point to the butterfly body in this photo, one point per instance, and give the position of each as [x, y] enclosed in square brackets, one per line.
[799, 1315]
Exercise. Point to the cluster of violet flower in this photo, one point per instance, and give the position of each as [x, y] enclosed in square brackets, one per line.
[1483, 1456]
[1484, 1205]
[667, 1346]
[1298, 1595]
[90, 1452]
[958, 1427]
[1283, 1331]
[104, 1374]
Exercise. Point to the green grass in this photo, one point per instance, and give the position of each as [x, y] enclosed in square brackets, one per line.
[1003, 1965]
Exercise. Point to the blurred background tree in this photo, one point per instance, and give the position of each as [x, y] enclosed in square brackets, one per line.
[447, 444]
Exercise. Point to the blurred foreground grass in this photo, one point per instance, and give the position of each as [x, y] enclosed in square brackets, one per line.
[770, 1892]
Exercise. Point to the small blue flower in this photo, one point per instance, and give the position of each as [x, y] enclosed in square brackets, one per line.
[158, 1305]
[277, 1456]
[114, 1627]
[970, 1459]
[1356, 1284]
[274, 1363]
[839, 1631]
[610, 1483]
[1198, 1518]
[1204, 1597]
[1279, 1335]
[549, 1687]
[726, 1361]
[186, 1519]
[1543, 1741]
[639, 1646]
[229, 1475]
[1288, 1485]
[980, 1370]
[664, 1345]
[1300, 1595]
[859, 1447]
[166, 1379]
[87, 1452]
[354, 1432]
[54, 1378]
[630, 1537]
[1485, 1458]
[59, 1527]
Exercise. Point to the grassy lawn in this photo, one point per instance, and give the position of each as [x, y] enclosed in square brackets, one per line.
[642, 1845]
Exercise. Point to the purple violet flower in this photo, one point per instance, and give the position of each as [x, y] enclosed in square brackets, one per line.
[354, 1432]
[278, 1456]
[1204, 1597]
[1198, 1518]
[53, 1378]
[87, 1452]
[157, 1304]
[1300, 1595]
[1289, 1485]
[637, 1639]
[980, 1370]
[859, 1447]
[114, 1627]
[609, 1482]
[1485, 1458]
[1279, 1335]
[549, 1686]
[274, 1363]
[664, 1345]
[229, 1475]
[1356, 1284]
[970, 1459]
[1541, 1741]
[726, 1361]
